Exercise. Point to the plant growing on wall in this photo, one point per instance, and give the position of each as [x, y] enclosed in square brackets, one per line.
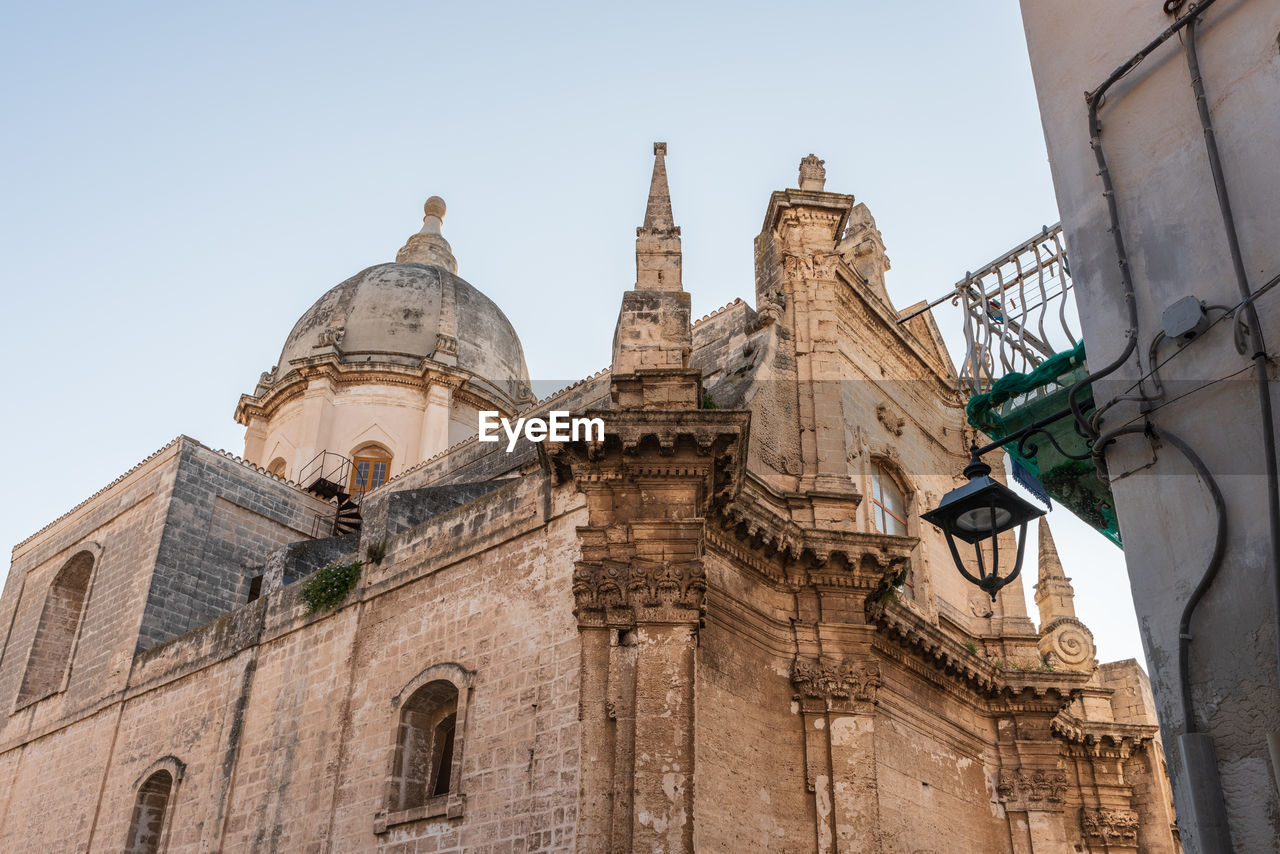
[329, 586]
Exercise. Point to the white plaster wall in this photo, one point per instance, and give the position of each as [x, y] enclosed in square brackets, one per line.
[1171, 224]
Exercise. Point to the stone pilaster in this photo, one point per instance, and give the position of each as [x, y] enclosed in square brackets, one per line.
[837, 704]
[1032, 784]
[798, 285]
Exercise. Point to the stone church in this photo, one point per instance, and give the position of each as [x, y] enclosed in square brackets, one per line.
[722, 628]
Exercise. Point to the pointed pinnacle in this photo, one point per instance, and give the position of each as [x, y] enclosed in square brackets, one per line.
[1050, 563]
[657, 216]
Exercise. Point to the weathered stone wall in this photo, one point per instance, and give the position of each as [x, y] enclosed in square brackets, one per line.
[223, 517]
[283, 723]
[121, 527]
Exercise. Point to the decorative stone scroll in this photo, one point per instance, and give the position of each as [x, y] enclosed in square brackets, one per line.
[1069, 643]
[1034, 790]
[848, 680]
[1110, 826]
[332, 336]
[446, 344]
[892, 421]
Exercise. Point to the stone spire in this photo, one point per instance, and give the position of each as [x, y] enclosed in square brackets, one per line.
[653, 339]
[658, 240]
[1055, 597]
[1065, 642]
[428, 246]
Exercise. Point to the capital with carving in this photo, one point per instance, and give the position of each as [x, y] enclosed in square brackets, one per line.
[1110, 826]
[846, 681]
[1033, 790]
[653, 589]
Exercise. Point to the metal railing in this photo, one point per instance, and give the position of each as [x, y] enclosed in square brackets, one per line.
[1017, 311]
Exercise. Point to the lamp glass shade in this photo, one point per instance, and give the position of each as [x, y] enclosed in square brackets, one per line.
[981, 520]
[981, 509]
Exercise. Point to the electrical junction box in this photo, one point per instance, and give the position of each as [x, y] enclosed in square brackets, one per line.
[1185, 319]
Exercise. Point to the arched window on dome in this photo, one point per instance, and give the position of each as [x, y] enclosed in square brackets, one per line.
[277, 467]
[49, 663]
[370, 468]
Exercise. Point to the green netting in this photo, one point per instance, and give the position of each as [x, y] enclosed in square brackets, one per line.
[981, 407]
[1011, 405]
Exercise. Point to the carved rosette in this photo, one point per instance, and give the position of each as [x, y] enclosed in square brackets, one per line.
[847, 681]
[1110, 826]
[1033, 790]
[600, 586]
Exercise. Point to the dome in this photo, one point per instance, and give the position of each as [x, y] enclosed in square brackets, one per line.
[406, 312]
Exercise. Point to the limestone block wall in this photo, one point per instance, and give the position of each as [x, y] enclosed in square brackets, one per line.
[280, 725]
[750, 790]
[121, 528]
[223, 517]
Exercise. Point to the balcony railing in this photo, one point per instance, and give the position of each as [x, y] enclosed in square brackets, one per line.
[1017, 311]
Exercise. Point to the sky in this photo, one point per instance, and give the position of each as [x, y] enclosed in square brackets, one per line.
[182, 181]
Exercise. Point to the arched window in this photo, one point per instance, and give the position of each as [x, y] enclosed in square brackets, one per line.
[146, 828]
[370, 467]
[277, 467]
[888, 503]
[50, 658]
[425, 745]
[426, 759]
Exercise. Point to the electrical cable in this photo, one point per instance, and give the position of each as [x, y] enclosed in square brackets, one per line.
[1094, 100]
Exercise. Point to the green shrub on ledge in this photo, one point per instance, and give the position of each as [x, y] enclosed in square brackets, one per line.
[329, 586]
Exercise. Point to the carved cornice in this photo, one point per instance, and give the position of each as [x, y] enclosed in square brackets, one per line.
[935, 646]
[764, 517]
[846, 681]
[1110, 826]
[1102, 739]
[466, 387]
[1033, 790]
[1011, 691]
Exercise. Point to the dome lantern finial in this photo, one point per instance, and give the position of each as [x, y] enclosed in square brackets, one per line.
[428, 246]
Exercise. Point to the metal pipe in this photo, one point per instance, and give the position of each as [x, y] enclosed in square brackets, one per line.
[1199, 762]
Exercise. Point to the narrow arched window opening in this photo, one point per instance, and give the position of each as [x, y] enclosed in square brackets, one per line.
[425, 746]
[277, 467]
[888, 503]
[51, 650]
[146, 828]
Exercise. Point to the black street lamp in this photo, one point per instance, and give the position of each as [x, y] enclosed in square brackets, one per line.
[979, 511]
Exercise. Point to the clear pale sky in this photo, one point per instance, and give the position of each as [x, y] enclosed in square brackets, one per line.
[181, 182]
